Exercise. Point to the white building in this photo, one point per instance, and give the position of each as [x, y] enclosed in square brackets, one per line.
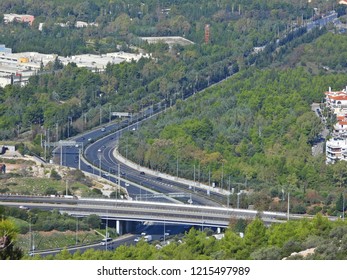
[8, 18]
[16, 68]
[99, 62]
[336, 101]
[336, 149]
[340, 128]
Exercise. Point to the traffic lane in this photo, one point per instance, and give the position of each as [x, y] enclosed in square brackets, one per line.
[106, 144]
[122, 240]
[158, 183]
[71, 159]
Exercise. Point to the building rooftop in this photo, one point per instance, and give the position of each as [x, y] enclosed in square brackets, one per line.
[170, 40]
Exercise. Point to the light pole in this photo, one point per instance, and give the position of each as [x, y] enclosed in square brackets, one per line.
[238, 200]
[100, 166]
[106, 230]
[95, 161]
[69, 121]
[119, 174]
[80, 152]
[164, 232]
[288, 207]
[228, 194]
[194, 177]
[99, 157]
[76, 229]
[343, 206]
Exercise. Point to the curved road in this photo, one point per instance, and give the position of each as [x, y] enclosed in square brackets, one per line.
[99, 160]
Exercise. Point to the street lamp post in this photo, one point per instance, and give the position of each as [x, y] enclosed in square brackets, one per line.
[76, 229]
[164, 232]
[69, 122]
[194, 178]
[238, 200]
[100, 166]
[95, 161]
[288, 206]
[343, 207]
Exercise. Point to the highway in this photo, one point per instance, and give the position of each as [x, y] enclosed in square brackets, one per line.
[98, 159]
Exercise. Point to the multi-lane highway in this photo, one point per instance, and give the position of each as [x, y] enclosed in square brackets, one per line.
[99, 160]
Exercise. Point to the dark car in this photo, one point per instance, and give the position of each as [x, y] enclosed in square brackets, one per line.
[142, 173]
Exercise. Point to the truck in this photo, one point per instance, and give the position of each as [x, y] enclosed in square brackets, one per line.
[148, 238]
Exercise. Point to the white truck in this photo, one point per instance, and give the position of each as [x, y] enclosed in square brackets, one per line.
[148, 238]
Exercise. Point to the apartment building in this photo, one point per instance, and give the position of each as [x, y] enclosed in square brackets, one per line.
[8, 18]
[336, 147]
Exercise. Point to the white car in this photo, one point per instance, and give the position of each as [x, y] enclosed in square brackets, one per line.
[127, 184]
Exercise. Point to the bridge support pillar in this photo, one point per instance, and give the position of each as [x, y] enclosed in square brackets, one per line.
[119, 228]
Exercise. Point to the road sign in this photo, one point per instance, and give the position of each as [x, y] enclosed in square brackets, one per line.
[66, 143]
[120, 114]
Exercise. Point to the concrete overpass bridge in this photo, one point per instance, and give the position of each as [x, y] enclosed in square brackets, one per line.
[123, 211]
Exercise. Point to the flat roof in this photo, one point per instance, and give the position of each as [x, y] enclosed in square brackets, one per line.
[170, 40]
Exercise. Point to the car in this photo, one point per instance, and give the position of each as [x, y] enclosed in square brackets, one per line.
[143, 233]
[127, 184]
[23, 207]
[142, 173]
[105, 175]
[159, 179]
[99, 150]
[122, 173]
[89, 166]
[103, 129]
[90, 140]
[137, 239]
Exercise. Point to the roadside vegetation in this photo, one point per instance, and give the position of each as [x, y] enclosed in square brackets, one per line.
[323, 240]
